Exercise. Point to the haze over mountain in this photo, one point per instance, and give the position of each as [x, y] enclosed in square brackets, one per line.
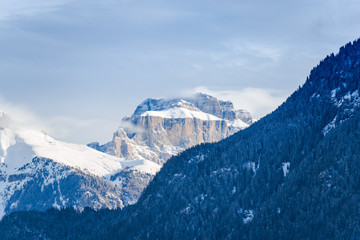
[295, 174]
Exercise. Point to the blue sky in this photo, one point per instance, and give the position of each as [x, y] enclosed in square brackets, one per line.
[76, 67]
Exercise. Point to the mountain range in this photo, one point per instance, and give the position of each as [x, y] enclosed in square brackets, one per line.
[294, 174]
[38, 172]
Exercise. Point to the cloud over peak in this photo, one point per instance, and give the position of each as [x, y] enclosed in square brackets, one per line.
[257, 101]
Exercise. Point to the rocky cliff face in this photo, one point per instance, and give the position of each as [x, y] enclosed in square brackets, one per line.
[161, 128]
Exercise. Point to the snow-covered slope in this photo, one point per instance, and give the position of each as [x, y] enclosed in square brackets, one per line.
[49, 170]
[161, 128]
[19, 146]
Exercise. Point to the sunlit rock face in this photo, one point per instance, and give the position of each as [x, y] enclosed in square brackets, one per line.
[161, 128]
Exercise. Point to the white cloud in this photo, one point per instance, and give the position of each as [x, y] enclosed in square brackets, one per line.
[236, 55]
[65, 128]
[268, 53]
[129, 127]
[257, 101]
[21, 116]
[10, 9]
[79, 130]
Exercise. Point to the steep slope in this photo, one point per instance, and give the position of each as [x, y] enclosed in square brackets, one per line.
[161, 128]
[37, 173]
[294, 174]
[291, 173]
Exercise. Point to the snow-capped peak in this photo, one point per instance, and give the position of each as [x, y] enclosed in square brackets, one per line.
[162, 104]
[180, 112]
[201, 106]
[161, 128]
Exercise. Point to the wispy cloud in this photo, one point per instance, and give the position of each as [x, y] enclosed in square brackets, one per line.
[21, 116]
[79, 130]
[271, 54]
[257, 101]
[10, 9]
[234, 54]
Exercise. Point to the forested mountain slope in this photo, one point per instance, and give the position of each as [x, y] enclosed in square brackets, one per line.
[293, 172]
